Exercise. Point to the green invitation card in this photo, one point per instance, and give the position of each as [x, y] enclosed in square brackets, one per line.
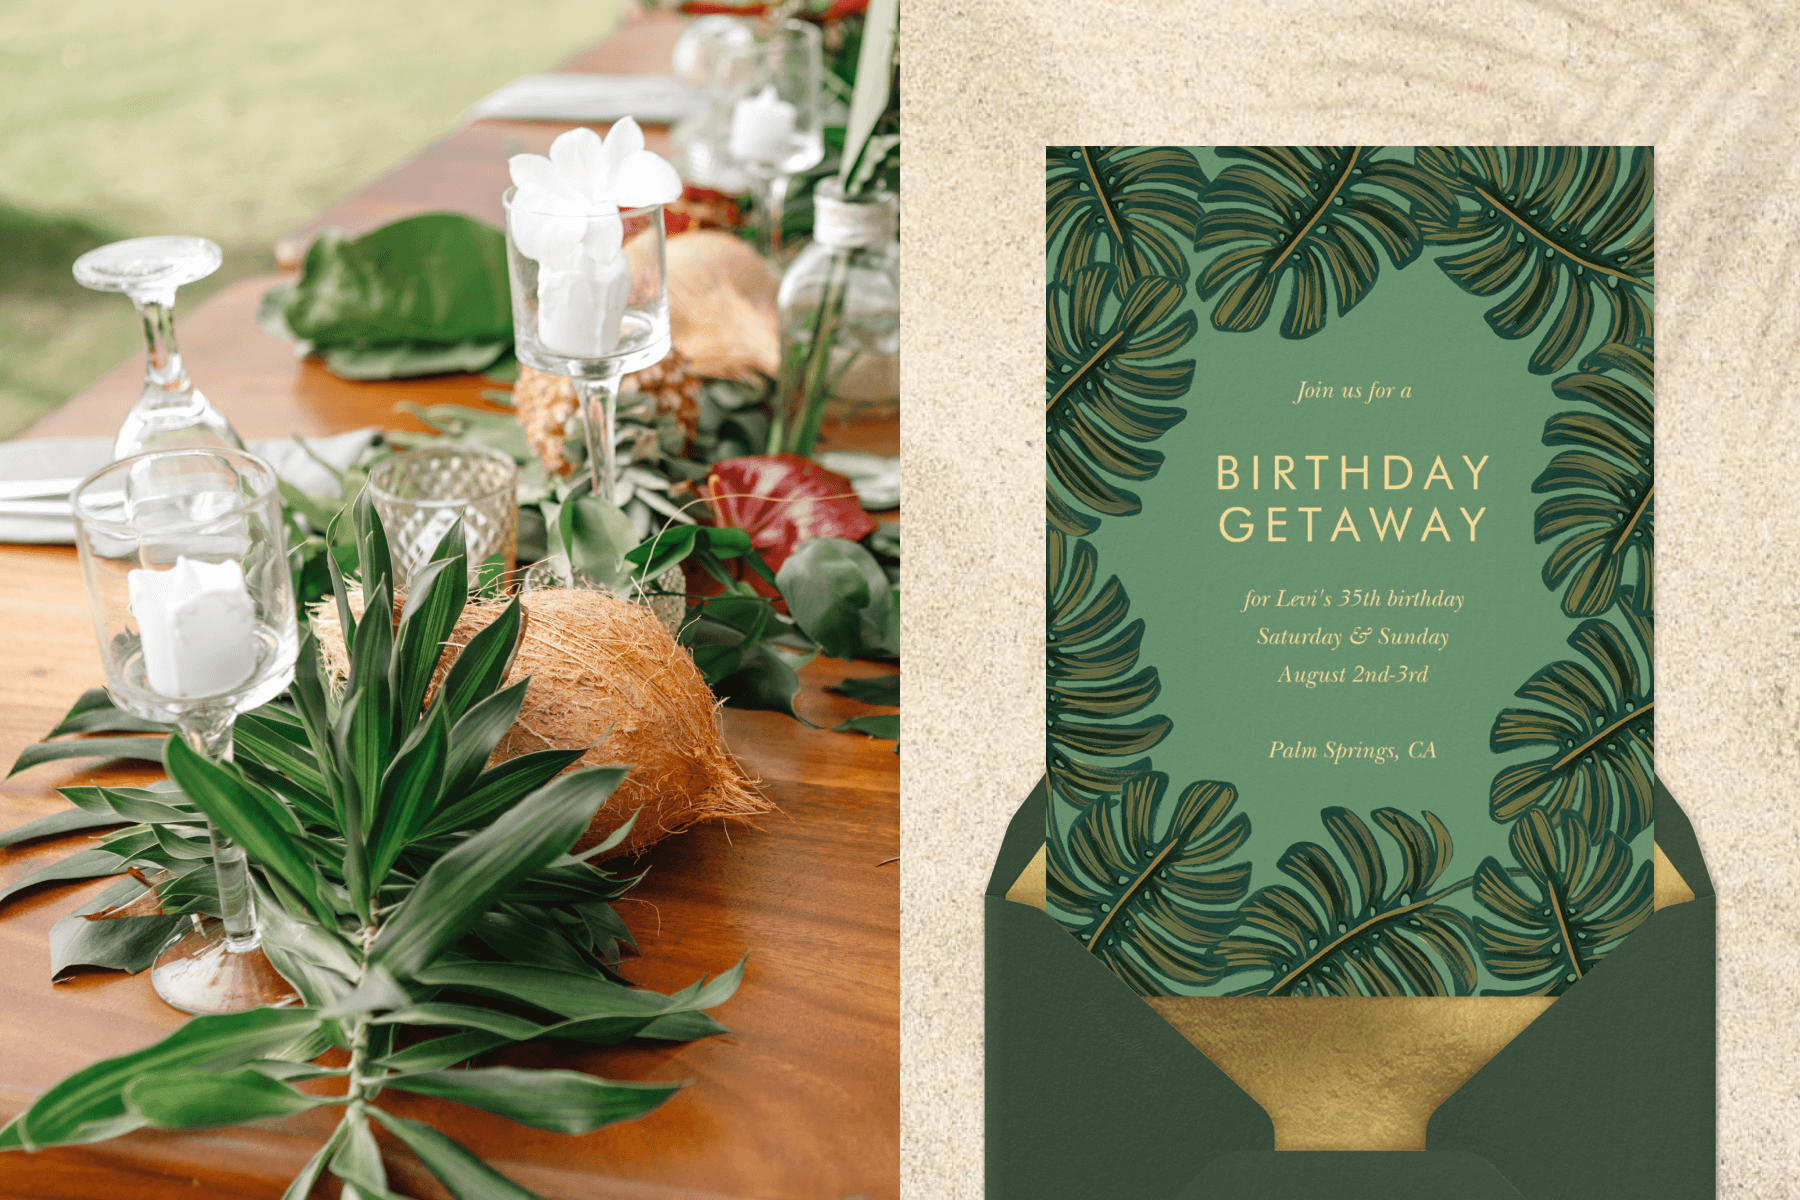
[1349, 564]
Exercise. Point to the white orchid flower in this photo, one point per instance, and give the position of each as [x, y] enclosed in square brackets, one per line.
[565, 215]
[566, 205]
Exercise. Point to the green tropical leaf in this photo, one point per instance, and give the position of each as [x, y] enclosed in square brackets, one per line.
[1138, 881]
[122, 943]
[1605, 521]
[467, 881]
[149, 749]
[1586, 900]
[501, 787]
[482, 664]
[1105, 340]
[1093, 652]
[560, 1101]
[83, 864]
[465, 1176]
[89, 1106]
[255, 820]
[1550, 221]
[434, 600]
[1134, 206]
[188, 1099]
[1317, 213]
[57, 824]
[1373, 939]
[96, 713]
[1600, 735]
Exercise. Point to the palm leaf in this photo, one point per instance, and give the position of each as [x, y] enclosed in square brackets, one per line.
[1318, 213]
[1587, 900]
[1375, 940]
[1599, 733]
[1104, 338]
[1149, 906]
[1134, 206]
[1606, 518]
[1544, 222]
[1093, 654]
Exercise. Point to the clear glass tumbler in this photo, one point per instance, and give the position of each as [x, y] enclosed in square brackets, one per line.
[420, 494]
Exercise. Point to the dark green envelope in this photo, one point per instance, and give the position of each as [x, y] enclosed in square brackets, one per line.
[1610, 1093]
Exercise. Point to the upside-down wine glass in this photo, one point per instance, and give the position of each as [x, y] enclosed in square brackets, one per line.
[170, 411]
[193, 605]
[585, 251]
[777, 127]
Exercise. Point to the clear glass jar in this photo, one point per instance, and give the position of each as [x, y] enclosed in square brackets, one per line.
[839, 307]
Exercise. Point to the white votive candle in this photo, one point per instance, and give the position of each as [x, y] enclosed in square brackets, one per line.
[580, 311]
[197, 625]
[761, 126]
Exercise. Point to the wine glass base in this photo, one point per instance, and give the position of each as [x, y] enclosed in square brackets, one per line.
[198, 973]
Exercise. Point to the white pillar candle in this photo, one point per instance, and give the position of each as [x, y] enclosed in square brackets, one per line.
[761, 126]
[580, 311]
[197, 625]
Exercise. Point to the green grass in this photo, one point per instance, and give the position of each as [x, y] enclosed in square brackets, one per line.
[231, 120]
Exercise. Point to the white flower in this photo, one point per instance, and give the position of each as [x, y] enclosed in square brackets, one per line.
[566, 206]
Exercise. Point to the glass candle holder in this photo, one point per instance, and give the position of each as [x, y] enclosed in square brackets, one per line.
[193, 605]
[420, 494]
[591, 302]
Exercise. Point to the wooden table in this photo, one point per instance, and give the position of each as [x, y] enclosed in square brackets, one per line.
[802, 1100]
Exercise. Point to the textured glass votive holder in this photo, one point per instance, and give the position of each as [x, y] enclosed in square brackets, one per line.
[422, 492]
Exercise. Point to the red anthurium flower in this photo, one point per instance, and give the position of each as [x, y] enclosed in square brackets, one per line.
[781, 500]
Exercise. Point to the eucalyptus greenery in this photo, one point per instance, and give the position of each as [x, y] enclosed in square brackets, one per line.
[426, 907]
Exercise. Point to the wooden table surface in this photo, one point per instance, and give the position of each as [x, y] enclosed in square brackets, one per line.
[801, 1100]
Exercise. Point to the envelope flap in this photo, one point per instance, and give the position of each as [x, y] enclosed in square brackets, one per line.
[1611, 1092]
[1089, 1092]
[1024, 838]
[1350, 1175]
[1675, 835]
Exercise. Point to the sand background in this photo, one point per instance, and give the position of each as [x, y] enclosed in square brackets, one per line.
[989, 85]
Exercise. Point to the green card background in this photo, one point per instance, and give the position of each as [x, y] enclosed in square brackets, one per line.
[1473, 394]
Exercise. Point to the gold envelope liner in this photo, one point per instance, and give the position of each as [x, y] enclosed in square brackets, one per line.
[1347, 1073]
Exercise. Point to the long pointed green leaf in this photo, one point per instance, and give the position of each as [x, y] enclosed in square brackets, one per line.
[409, 793]
[466, 1177]
[148, 749]
[498, 788]
[482, 664]
[87, 864]
[434, 600]
[466, 882]
[258, 822]
[560, 1101]
[474, 736]
[189, 1099]
[56, 824]
[372, 545]
[89, 1106]
[96, 713]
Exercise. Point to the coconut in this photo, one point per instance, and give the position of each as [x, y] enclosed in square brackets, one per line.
[604, 674]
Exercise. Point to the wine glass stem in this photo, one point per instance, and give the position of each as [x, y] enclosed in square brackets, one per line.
[600, 407]
[770, 199]
[165, 378]
[210, 735]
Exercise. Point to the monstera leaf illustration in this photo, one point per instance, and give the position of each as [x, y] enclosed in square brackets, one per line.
[1605, 519]
[1586, 899]
[1544, 222]
[1136, 206]
[1377, 940]
[1318, 213]
[1599, 734]
[1103, 339]
[1150, 903]
[1092, 653]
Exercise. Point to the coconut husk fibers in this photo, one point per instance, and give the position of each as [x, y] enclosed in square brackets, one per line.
[604, 671]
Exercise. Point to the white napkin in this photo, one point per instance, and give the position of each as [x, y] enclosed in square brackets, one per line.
[77, 458]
